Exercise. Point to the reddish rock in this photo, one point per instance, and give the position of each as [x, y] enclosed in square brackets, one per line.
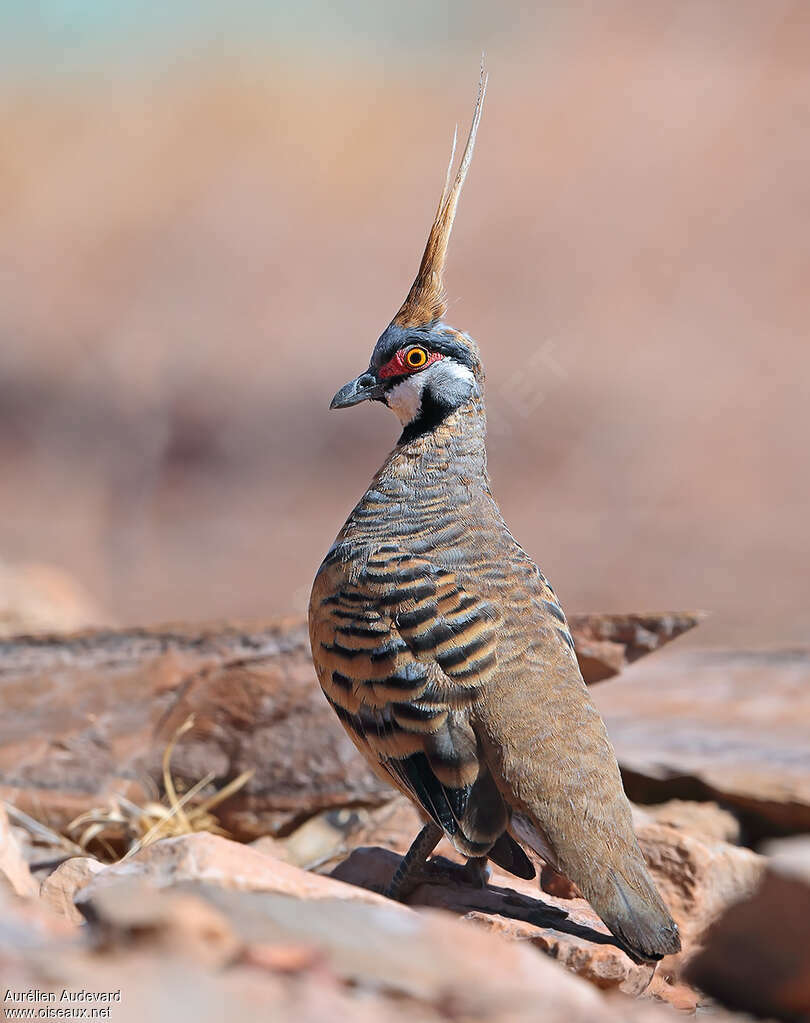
[554, 883]
[566, 930]
[607, 643]
[121, 907]
[215, 860]
[600, 659]
[699, 874]
[27, 929]
[36, 598]
[698, 878]
[89, 716]
[203, 921]
[13, 869]
[59, 889]
[330, 948]
[728, 726]
[756, 957]
[706, 820]
[381, 952]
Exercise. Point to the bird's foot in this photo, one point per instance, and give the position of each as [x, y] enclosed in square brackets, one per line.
[475, 873]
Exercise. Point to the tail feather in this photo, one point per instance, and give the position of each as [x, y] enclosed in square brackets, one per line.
[532, 835]
[508, 854]
[632, 909]
[636, 916]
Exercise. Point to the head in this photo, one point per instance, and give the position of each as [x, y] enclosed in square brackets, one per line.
[421, 368]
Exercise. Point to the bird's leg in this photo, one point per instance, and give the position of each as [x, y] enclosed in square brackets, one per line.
[411, 870]
[408, 873]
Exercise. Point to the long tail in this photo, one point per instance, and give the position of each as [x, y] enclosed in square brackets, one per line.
[549, 752]
[636, 915]
[630, 906]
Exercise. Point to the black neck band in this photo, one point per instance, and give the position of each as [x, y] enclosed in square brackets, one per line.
[431, 413]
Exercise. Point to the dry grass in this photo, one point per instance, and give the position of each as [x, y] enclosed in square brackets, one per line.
[120, 829]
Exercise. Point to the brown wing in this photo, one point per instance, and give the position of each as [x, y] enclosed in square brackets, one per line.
[401, 650]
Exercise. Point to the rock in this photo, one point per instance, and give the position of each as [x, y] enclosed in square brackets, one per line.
[331, 951]
[394, 825]
[27, 925]
[169, 964]
[554, 883]
[38, 598]
[325, 838]
[384, 952]
[697, 881]
[212, 923]
[216, 860]
[566, 930]
[726, 726]
[13, 869]
[707, 820]
[790, 857]
[756, 957]
[606, 644]
[269, 846]
[698, 878]
[599, 659]
[124, 906]
[59, 889]
[320, 838]
[31, 939]
[699, 874]
[89, 717]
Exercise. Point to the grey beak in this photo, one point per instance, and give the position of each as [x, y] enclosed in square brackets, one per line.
[366, 387]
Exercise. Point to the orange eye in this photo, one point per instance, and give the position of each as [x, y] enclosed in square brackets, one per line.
[415, 358]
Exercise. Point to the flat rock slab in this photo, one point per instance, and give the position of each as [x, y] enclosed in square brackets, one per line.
[218, 904]
[567, 930]
[698, 876]
[729, 726]
[88, 717]
[287, 918]
[216, 860]
[195, 949]
[607, 643]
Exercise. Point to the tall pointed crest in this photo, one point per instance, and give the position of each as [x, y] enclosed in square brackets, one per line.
[426, 300]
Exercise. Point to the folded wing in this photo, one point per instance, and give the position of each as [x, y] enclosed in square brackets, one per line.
[402, 651]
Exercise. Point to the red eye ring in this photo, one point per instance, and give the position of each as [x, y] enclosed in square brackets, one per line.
[416, 357]
[407, 360]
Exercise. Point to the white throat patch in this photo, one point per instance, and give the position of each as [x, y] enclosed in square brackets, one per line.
[445, 377]
[406, 398]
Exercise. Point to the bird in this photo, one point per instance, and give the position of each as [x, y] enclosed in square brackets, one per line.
[444, 650]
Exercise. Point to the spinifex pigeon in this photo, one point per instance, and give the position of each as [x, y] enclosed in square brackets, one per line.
[443, 649]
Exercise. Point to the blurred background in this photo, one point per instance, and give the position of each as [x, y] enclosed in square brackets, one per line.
[209, 212]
